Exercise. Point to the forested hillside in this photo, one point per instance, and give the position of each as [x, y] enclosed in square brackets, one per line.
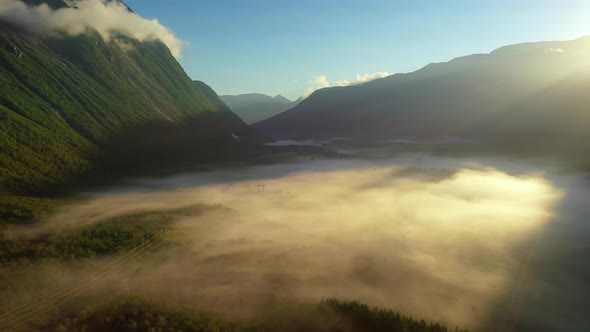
[72, 104]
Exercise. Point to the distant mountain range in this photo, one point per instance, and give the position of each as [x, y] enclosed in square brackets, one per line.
[255, 107]
[532, 96]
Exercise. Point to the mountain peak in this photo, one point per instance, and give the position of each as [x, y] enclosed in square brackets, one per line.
[282, 99]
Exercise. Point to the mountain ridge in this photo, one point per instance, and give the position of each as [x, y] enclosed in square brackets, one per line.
[282, 99]
[536, 88]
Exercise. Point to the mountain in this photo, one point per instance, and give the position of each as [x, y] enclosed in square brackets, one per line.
[70, 105]
[63, 3]
[281, 99]
[532, 95]
[255, 107]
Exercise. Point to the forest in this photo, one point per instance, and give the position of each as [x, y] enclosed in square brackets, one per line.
[137, 314]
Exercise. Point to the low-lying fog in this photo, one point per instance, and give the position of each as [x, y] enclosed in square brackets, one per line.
[480, 243]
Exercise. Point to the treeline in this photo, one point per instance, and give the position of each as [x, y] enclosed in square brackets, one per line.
[135, 314]
[107, 237]
[361, 317]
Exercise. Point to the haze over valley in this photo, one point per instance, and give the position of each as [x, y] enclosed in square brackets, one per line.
[145, 187]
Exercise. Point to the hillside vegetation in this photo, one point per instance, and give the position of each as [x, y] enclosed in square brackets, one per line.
[136, 314]
[74, 105]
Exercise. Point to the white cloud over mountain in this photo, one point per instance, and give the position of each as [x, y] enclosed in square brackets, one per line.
[322, 81]
[108, 18]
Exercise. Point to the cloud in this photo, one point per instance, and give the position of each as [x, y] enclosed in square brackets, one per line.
[317, 83]
[108, 18]
[360, 79]
[322, 81]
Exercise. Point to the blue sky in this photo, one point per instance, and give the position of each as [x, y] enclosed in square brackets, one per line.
[279, 46]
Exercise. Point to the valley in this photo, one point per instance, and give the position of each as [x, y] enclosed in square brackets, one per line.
[141, 188]
[242, 241]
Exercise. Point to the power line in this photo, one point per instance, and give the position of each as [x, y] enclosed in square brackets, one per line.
[64, 283]
[82, 285]
[85, 288]
[59, 291]
[260, 188]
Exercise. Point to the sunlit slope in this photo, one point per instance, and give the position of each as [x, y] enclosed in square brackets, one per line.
[67, 102]
[532, 89]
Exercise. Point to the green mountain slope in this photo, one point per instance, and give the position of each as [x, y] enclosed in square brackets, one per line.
[71, 104]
